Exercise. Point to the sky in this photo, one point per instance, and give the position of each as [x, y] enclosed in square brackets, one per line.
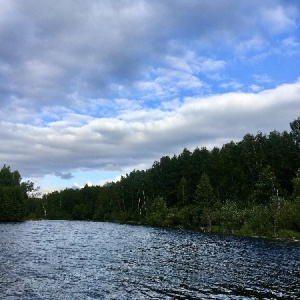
[91, 90]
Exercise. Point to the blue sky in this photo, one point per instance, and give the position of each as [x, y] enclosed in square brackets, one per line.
[91, 90]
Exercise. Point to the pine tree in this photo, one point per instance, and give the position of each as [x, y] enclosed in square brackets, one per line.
[204, 200]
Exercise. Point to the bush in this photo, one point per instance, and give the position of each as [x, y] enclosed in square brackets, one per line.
[230, 217]
[259, 221]
[245, 230]
[187, 216]
[157, 213]
[289, 234]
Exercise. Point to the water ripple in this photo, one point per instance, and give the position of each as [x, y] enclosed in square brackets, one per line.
[86, 260]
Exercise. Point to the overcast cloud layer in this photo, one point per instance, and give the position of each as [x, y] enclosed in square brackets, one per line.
[109, 86]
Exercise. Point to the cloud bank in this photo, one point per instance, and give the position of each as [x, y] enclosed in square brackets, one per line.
[114, 85]
[135, 138]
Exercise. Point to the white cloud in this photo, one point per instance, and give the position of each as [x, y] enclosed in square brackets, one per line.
[278, 19]
[105, 143]
[291, 42]
[191, 63]
[232, 85]
[255, 88]
[171, 105]
[104, 45]
[113, 85]
[255, 43]
[262, 78]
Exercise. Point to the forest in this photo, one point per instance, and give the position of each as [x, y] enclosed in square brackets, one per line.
[251, 188]
[13, 195]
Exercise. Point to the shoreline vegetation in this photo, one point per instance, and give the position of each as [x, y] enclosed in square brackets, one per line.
[283, 235]
[248, 188]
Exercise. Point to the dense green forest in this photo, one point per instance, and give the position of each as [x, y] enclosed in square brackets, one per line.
[13, 195]
[251, 187]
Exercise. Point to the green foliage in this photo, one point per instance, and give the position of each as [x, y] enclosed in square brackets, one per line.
[288, 215]
[34, 209]
[204, 201]
[188, 217]
[9, 178]
[11, 204]
[259, 221]
[182, 193]
[296, 185]
[12, 195]
[204, 196]
[295, 131]
[81, 212]
[260, 175]
[230, 217]
[289, 234]
[266, 186]
[158, 213]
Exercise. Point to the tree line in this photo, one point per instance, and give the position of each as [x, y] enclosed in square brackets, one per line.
[13, 195]
[251, 187]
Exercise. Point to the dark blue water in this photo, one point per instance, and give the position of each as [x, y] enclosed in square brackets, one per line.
[87, 260]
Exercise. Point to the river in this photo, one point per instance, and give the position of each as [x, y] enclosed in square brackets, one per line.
[91, 260]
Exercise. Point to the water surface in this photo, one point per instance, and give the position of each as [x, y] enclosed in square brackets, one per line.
[89, 260]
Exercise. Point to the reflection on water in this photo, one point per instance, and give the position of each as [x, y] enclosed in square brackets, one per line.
[87, 260]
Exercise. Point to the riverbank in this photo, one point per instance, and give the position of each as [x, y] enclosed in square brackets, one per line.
[281, 235]
[284, 235]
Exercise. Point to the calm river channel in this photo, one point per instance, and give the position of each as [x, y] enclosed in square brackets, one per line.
[90, 260]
